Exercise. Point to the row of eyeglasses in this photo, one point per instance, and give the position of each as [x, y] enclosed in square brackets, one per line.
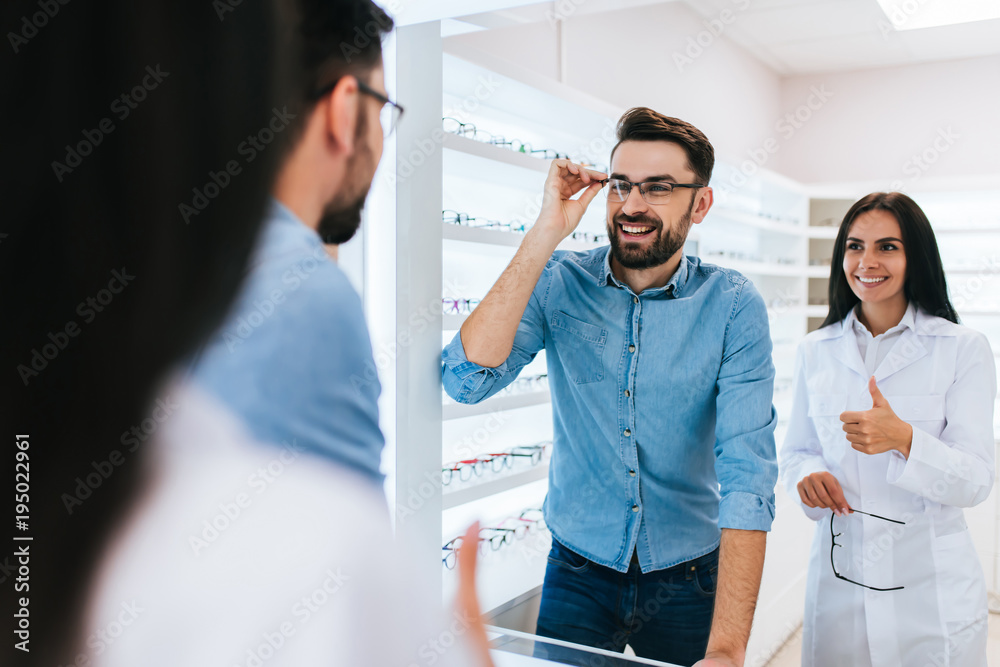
[457, 218]
[496, 462]
[493, 538]
[470, 131]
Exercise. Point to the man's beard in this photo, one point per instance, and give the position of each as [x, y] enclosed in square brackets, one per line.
[342, 216]
[631, 255]
[339, 224]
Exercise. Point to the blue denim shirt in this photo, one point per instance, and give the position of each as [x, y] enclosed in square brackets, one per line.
[294, 358]
[661, 401]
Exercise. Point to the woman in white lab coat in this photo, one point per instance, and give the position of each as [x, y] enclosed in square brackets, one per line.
[890, 436]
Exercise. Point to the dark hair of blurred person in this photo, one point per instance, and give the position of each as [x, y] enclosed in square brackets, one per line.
[116, 114]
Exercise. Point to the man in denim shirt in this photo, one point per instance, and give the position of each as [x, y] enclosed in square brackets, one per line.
[661, 486]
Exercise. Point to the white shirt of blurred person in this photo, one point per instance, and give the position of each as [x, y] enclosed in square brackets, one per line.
[241, 553]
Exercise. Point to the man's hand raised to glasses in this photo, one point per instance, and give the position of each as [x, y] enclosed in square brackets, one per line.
[560, 212]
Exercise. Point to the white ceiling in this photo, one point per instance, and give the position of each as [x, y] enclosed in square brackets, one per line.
[800, 36]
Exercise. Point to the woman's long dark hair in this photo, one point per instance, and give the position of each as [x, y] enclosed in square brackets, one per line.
[925, 283]
[117, 115]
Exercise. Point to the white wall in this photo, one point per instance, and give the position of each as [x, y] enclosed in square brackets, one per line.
[627, 57]
[877, 120]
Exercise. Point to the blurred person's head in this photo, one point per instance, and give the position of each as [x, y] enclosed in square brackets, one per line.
[338, 133]
[122, 118]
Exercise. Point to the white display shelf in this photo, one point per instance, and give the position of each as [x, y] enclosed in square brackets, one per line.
[818, 271]
[749, 219]
[497, 237]
[495, 404]
[968, 270]
[817, 311]
[757, 268]
[503, 482]
[496, 153]
[815, 232]
[979, 313]
[450, 322]
[467, 234]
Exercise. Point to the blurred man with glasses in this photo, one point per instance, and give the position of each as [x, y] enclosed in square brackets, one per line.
[290, 355]
[661, 485]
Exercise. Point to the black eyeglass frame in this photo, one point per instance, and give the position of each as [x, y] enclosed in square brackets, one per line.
[834, 545]
[643, 188]
[397, 113]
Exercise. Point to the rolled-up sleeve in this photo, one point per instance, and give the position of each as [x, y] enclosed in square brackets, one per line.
[746, 464]
[468, 382]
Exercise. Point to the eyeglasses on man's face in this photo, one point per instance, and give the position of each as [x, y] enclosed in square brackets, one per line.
[653, 192]
[834, 546]
[389, 114]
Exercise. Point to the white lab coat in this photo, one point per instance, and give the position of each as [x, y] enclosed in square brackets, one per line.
[941, 379]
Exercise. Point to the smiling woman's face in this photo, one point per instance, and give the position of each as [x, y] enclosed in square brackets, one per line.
[874, 258]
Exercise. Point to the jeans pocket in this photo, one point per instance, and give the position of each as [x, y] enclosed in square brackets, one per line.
[705, 579]
[567, 558]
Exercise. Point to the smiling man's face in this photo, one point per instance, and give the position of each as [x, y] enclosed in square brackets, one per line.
[645, 235]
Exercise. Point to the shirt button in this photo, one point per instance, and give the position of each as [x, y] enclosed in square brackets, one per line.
[627, 433]
[631, 473]
[628, 393]
[635, 508]
[635, 299]
[631, 348]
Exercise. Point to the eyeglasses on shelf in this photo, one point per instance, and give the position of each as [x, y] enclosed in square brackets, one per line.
[587, 237]
[493, 538]
[834, 545]
[497, 462]
[458, 306]
[470, 131]
[458, 218]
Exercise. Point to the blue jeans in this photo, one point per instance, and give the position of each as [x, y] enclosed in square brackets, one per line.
[663, 615]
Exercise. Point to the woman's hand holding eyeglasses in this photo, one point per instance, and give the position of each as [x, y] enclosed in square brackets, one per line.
[821, 489]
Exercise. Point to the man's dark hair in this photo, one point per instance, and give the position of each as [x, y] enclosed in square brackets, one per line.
[337, 38]
[644, 124]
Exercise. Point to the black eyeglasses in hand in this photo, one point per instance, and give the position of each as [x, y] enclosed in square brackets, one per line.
[834, 545]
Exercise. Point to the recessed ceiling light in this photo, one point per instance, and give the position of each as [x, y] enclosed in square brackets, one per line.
[914, 14]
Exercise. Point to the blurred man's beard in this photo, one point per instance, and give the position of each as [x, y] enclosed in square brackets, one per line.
[339, 225]
[633, 255]
[342, 217]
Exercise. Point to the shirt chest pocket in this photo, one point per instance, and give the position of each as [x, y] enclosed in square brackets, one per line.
[580, 347]
[825, 411]
[928, 411]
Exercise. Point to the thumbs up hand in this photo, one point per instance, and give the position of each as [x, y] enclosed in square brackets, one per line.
[879, 429]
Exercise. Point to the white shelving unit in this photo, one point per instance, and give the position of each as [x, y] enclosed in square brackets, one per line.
[781, 235]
